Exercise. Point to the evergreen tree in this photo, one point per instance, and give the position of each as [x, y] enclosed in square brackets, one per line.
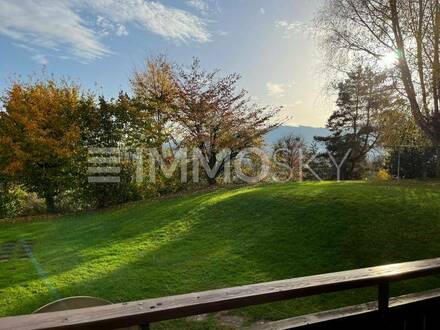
[362, 97]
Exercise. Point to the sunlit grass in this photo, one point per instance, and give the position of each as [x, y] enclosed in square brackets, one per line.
[225, 238]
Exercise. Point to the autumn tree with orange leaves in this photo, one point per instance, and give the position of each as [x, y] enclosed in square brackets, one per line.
[39, 136]
[202, 109]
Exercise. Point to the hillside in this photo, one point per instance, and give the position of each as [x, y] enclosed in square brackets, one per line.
[222, 238]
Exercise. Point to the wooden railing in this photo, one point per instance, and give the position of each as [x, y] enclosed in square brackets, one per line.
[145, 312]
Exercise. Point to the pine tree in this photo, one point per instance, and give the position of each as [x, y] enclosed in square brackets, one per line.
[362, 97]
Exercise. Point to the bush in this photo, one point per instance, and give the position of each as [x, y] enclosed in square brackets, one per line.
[8, 207]
[101, 195]
[15, 201]
[417, 162]
[382, 175]
[71, 201]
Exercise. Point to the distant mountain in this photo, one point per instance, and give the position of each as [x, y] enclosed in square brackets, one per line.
[306, 132]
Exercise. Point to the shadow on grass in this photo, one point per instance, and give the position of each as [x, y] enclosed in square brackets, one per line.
[239, 237]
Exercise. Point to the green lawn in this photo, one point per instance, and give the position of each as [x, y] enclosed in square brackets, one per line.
[225, 238]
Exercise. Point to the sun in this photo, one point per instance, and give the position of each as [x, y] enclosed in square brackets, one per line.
[389, 60]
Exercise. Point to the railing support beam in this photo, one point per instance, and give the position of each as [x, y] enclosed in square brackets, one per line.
[383, 302]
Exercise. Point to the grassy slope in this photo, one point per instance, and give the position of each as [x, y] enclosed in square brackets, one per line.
[226, 238]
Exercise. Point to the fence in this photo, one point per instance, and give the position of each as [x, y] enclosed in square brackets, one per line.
[420, 308]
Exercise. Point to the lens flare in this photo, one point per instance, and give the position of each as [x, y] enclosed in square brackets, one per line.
[389, 59]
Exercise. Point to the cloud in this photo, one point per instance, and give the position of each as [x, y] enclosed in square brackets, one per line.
[50, 24]
[170, 23]
[205, 7]
[199, 5]
[290, 29]
[64, 26]
[40, 58]
[275, 90]
[107, 27]
[262, 11]
[121, 30]
[37, 56]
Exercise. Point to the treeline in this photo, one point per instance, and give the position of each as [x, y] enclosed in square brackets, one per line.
[373, 131]
[64, 148]
[399, 40]
[48, 128]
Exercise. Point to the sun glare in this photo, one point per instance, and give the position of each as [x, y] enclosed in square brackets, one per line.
[389, 60]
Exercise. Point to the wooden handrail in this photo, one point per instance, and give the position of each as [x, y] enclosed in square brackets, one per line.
[144, 312]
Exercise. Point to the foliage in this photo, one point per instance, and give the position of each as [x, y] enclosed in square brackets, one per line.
[405, 29]
[383, 175]
[49, 130]
[155, 91]
[409, 154]
[412, 162]
[131, 125]
[227, 237]
[289, 154]
[202, 110]
[362, 97]
[398, 128]
[8, 205]
[115, 125]
[16, 201]
[39, 136]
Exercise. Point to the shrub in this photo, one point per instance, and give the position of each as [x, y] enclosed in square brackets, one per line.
[383, 175]
[7, 204]
[16, 201]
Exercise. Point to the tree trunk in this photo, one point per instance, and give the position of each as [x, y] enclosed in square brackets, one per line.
[212, 181]
[351, 173]
[405, 73]
[437, 164]
[50, 203]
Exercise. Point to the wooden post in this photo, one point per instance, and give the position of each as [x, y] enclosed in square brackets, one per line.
[383, 297]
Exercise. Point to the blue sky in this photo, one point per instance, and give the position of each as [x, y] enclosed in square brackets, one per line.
[100, 42]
